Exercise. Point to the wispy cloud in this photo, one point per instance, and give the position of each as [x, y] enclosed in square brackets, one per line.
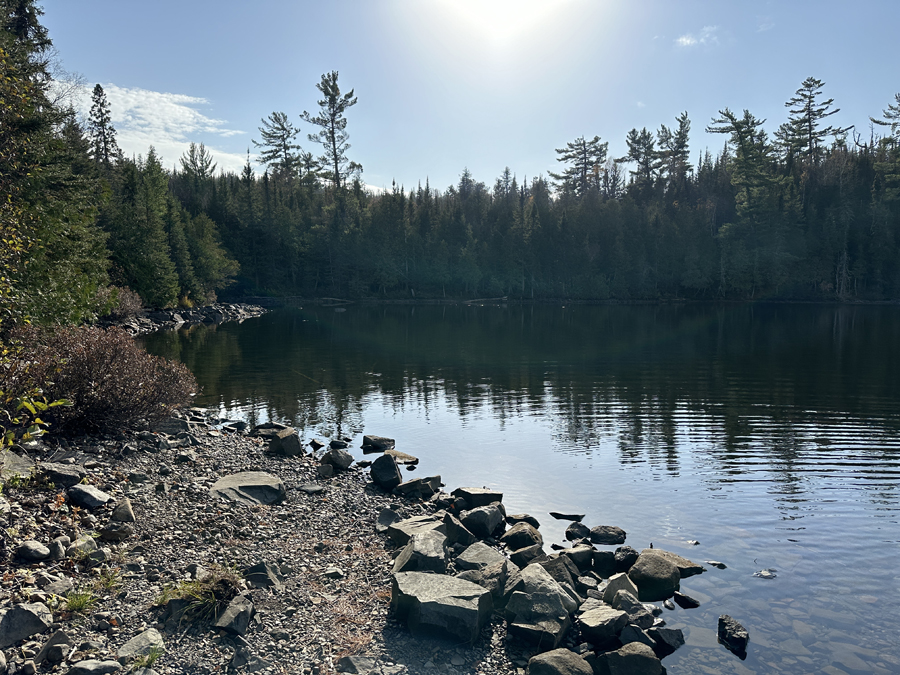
[169, 122]
[708, 36]
[641, 104]
[764, 23]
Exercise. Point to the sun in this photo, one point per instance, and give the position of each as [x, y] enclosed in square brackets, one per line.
[502, 22]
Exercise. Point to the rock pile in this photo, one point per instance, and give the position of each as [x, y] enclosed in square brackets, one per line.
[172, 318]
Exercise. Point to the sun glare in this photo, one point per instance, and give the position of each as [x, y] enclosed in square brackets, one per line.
[502, 22]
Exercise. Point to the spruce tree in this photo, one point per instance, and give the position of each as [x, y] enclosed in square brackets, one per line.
[101, 132]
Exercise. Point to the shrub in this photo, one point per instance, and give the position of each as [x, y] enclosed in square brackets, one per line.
[118, 303]
[109, 380]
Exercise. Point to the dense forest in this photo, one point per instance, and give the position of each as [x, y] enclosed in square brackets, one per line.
[809, 212]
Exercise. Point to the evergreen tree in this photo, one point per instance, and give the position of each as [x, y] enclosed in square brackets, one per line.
[332, 134]
[642, 151]
[279, 151]
[804, 133]
[585, 159]
[102, 134]
[891, 118]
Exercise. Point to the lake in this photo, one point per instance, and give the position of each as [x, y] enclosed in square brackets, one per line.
[768, 433]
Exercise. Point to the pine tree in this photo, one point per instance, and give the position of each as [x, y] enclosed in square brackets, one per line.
[279, 151]
[585, 159]
[102, 134]
[642, 151]
[804, 133]
[332, 135]
[891, 118]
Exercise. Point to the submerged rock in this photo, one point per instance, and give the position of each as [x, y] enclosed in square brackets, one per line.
[733, 635]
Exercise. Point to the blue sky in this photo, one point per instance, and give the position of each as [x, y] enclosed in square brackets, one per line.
[483, 84]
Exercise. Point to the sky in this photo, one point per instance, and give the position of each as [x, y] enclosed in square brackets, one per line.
[444, 85]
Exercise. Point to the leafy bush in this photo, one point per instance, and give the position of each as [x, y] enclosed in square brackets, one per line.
[119, 303]
[108, 379]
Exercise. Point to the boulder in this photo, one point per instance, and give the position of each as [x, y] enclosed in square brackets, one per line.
[62, 475]
[685, 567]
[601, 624]
[655, 577]
[123, 512]
[482, 520]
[424, 552]
[95, 667]
[522, 518]
[402, 457]
[608, 535]
[638, 615]
[386, 518]
[457, 532]
[633, 633]
[285, 442]
[87, 496]
[625, 557]
[32, 551]
[521, 535]
[478, 556]
[582, 556]
[401, 531]
[140, 645]
[419, 488]
[22, 621]
[577, 531]
[733, 635]
[250, 488]
[12, 464]
[537, 581]
[562, 569]
[475, 497]
[236, 617]
[493, 578]
[577, 517]
[618, 582]
[634, 658]
[525, 556]
[338, 458]
[538, 618]
[385, 473]
[377, 443]
[558, 662]
[325, 471]
[685, 601]
[604, 563]
[666, 640]
[442, 605]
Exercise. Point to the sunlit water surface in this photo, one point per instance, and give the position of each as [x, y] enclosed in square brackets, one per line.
[771, 434]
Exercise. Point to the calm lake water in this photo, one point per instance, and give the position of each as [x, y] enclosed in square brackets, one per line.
[771, 434]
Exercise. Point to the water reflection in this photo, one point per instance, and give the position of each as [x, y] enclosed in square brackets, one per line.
[771, 433]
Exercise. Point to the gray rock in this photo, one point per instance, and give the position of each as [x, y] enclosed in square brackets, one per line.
[609, 535]
[435, 603]
[59, 587]
[482, 520]
[22, 621]
[95, 667]
[537, 581]
[478, 556]
[32, 551]
[493, 578]
[386, 518]
[561, 568]
[123, 512]
[521, 535]
[625, 558]
[633, 633]
[558, 662]
[286, 443]
[525, 556]
[475, 497]
[618, 582]
[402, 457]
[577, 517]
[12, 464]
[604, 563]
[377, 443]
[419, 488]
[685, 601]
[359, 665]
[114, 531]
[636, 612]
[87, 496]
[602, 624]
[457, 532]
[667, 640]
[63, 475]
[325, 470]
[577, 531]
[264, 575]
[631, 659]
[250, 488]
[385, 473]
[424, 552]
[401, 531]
[523, 518]
[84, 545]
[141, 645]
[685, 567]
[582, 556]
[58, 640]
[338, 458]
[538, 618]
[733, 635]
[236, 617]
[655, 577]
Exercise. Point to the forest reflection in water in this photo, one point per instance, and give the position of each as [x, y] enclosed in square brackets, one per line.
[769, 432]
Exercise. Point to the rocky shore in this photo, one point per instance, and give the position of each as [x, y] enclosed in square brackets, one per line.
[202, 547]
[159, 319]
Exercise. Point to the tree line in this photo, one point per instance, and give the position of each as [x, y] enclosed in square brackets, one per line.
[810, 212]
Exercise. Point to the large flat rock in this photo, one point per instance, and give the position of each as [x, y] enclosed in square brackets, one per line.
[440, 605]
[250, 487]
[22, 621]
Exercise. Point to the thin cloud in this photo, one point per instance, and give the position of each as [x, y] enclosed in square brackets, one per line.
[708, 36]
[765, 23]
[169, 122]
